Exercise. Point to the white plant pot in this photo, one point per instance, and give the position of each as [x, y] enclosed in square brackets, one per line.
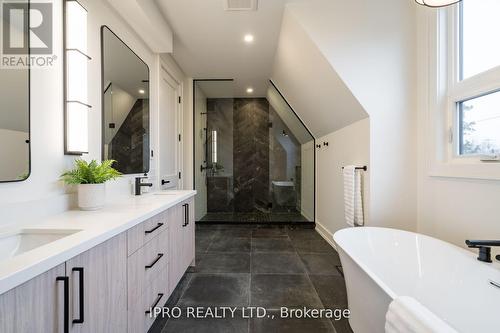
[91, 196]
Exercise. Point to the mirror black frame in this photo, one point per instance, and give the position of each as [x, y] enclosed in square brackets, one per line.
[28, 141]
[102, 97]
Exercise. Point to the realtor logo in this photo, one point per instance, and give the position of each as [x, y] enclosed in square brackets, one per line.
[27, 34]
[26, 26]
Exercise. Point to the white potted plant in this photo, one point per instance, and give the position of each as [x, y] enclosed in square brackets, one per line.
[90, 179]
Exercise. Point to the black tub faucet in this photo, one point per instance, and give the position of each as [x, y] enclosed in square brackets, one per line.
[139, 185]
[484, 247]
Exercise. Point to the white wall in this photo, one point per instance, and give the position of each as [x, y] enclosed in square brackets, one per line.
[371, 45]
[43, 191]
[458, 209]
[347, 146]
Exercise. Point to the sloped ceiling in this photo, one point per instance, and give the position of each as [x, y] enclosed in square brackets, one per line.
[370, 44]
[310, 83]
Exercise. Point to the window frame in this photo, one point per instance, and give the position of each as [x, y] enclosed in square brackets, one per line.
[458, 89]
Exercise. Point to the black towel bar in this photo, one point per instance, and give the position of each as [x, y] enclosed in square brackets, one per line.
[365, 168]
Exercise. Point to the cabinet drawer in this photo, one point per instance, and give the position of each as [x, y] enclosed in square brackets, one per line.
[145, 265]
[155, 294]
[144, 232]
[152, 295]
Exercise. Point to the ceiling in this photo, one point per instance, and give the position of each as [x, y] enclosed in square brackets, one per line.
[208, 41]
[217, 89]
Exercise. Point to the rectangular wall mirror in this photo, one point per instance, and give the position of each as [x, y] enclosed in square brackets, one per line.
[15, 114]
[125, 128]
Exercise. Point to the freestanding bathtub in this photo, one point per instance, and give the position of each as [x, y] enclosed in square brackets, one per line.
[380, 264]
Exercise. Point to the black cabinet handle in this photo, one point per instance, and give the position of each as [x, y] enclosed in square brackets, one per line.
[65, 280]
[154, 262]
[81, 296]
[184, 215]
[155, 303]
[187, 214]
[159, 225]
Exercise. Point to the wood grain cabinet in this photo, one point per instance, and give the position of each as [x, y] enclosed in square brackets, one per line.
[111, 287]
[182, 241]
[85, 294]
[35, 306]
[98, 285]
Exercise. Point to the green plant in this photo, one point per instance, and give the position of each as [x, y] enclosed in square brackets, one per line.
[90, 173]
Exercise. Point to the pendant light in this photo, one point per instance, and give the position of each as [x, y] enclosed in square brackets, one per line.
[437, 3]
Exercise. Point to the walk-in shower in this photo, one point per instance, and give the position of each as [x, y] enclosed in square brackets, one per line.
[254, 158]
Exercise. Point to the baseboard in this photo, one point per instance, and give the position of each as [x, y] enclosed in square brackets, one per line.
[327, 235]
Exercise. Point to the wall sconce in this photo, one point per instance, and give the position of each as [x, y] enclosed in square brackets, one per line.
[76, 108]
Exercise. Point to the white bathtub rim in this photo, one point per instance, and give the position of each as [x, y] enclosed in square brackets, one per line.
[365, 269]
[376, 279]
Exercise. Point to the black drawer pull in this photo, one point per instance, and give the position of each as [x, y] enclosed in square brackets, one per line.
[155, 303]
[154, 262]
[186, 217]
[81, 295]
[159, 225]
[65, 280]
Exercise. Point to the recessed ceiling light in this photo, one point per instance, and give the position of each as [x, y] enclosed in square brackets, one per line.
[249, 90]
[248, 38]
[141, 91]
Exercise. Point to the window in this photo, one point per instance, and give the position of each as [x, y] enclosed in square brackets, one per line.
[479, 122]
[479, 32]
[474, 80]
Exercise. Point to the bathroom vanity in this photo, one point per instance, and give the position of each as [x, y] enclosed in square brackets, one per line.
[96, 271]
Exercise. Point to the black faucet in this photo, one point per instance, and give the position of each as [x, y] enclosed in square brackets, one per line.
[139, 185]
[484, 247]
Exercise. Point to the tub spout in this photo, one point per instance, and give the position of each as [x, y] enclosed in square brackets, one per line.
[484, 247]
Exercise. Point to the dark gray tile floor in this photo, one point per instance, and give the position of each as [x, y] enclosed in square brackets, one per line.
[268, 266]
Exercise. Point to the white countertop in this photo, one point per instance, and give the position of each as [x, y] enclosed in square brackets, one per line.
[119, 215]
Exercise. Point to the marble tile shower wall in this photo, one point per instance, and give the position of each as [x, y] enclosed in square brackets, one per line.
[252, 152]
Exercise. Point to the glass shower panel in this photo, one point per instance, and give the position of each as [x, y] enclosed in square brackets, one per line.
[291, 163]
[214, 149]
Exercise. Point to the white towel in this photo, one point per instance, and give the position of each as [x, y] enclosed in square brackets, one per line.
[353, 196]
[407, 315]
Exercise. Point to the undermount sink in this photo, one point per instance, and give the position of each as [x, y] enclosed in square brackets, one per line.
[24, 240]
